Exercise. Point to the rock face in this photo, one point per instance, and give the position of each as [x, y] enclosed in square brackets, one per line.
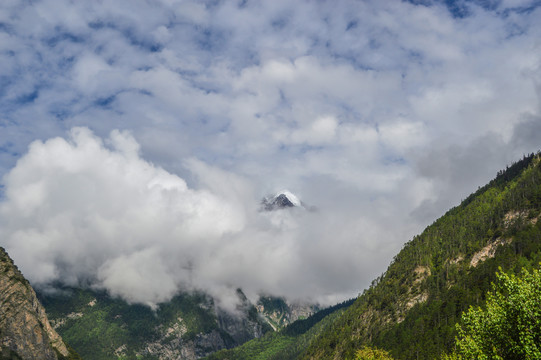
[25, 332]
[232, 330]
[171, 344]
[190, 326]
[279, 312]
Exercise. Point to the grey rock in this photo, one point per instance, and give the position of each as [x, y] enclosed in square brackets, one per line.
[25, 332]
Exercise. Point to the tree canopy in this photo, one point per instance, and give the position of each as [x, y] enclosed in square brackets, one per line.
[509, 326]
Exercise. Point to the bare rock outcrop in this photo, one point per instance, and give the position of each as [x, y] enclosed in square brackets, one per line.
[25, 332]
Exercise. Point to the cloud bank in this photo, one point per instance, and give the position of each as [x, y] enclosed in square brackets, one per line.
[140, 130]
[81, 210]
[93, 212]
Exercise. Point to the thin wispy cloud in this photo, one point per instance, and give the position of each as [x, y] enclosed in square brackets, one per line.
[381, 114]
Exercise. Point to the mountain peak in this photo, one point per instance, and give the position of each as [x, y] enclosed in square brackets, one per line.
[283, 199]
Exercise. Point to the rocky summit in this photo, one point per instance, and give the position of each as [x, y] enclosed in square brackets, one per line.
[25, 332]
[282, 200]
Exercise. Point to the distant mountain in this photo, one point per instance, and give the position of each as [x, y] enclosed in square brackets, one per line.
[412, 309]
[278, 312]
[282, 200]
[25, 332]
[189, 327]
[287, 343]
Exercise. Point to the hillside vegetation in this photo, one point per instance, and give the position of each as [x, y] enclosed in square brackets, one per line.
[413, 308]
[189, 326]
[287, 343]
[509, 326]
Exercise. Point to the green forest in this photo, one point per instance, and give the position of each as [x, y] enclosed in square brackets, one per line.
[109, 324]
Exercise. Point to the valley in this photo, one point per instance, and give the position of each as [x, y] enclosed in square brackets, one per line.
[270, 180]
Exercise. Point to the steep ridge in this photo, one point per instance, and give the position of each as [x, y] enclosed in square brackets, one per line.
[25, 332]
[411, 310]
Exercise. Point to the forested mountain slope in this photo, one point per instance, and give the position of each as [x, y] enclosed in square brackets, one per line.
[412, 309]
[189, 326]
[289, 342]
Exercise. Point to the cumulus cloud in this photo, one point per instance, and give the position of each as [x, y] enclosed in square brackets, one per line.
[83, 210]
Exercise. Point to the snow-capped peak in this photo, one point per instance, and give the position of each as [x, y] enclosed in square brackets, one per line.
[283, 199]
[290, 196]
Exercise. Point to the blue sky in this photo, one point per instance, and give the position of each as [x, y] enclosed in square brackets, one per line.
[378, 113]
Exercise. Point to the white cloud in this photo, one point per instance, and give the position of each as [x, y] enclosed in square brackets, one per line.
[141, 272]
[403, 135]
[89, 72]
[320, 131]
[92, 208]
[81, 210]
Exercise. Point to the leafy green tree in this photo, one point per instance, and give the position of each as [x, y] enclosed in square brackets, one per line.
[453, 356]
[367, 353]
[510, 326]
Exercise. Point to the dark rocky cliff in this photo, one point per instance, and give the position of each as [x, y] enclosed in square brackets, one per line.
[25, 332]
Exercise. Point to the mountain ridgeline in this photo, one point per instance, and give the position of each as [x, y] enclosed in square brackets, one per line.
[412, 309]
